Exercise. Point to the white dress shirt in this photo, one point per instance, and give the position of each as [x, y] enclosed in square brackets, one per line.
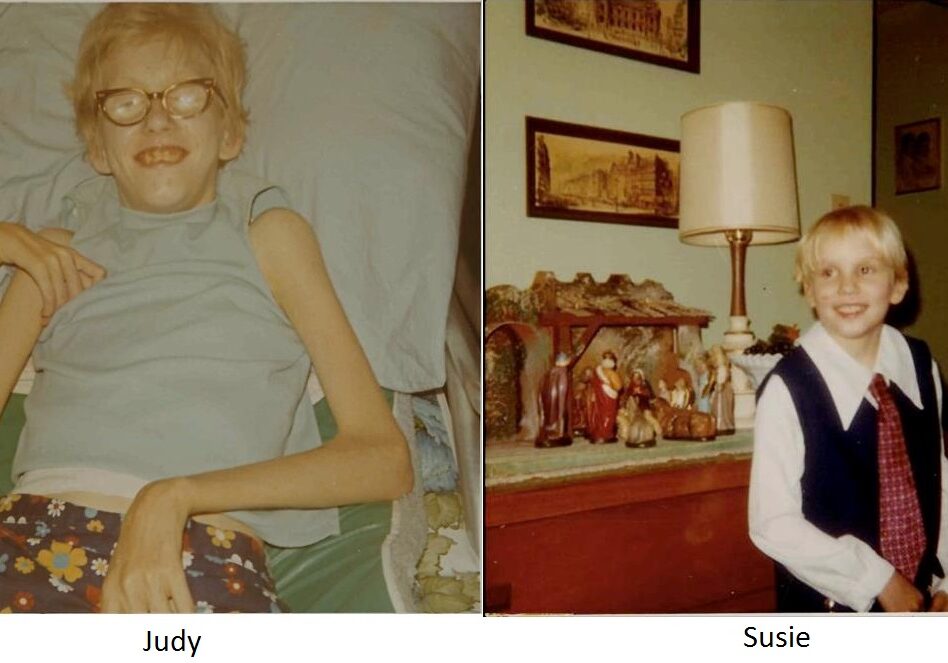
[844, 568]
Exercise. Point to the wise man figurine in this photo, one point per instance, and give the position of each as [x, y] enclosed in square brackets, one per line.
[605, 385]
[554, 405]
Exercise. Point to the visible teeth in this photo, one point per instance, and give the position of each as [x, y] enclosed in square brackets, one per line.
[155, 155]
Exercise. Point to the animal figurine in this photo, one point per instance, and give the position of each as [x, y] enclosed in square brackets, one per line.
[678, 424]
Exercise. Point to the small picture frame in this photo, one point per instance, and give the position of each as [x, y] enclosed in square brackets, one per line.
[662, 32]
[918, 156]
[584, 173]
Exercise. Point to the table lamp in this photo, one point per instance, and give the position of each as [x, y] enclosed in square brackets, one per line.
[738, 187]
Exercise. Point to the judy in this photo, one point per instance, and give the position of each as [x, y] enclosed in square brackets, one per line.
[177, 643]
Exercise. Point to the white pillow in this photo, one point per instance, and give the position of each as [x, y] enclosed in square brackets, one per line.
[363, 112]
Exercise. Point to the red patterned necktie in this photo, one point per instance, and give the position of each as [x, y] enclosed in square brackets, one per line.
[901, 533]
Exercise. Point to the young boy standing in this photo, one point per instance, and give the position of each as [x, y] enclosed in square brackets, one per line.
[849, 481]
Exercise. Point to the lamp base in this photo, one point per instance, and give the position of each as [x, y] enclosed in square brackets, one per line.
[736, 339]
[745, 407]
[738, 336]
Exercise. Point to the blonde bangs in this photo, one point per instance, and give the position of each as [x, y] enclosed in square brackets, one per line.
[189, 30]
[874, 224]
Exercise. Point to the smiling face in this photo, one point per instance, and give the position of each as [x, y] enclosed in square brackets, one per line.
[161, 165]
[851, 289]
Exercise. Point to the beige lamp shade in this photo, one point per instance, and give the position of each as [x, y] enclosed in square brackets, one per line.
[737, 172]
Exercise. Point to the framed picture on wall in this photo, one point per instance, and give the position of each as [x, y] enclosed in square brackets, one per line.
[662, 32]
[585, 173]
[918, 156]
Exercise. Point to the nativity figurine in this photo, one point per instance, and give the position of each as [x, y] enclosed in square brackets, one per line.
[580, 403]
[722, 393]
[554, 401]
[682, 396]
[637, 428]
[604, 401]
[678, 424]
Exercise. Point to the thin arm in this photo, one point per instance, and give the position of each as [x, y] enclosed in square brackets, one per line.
[368, 460]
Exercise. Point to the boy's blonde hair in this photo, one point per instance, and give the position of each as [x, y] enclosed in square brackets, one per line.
[874, 224]
[188, 28]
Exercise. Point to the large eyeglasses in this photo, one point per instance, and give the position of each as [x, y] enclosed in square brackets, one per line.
[127, 106]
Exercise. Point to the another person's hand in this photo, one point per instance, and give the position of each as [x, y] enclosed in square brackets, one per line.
[59, 271]
[145, 572]
[899, 595]
[939, 602]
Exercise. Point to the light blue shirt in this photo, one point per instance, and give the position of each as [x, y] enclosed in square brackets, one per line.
[180, 361]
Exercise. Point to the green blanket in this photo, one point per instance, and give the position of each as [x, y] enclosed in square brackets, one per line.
[340, 574]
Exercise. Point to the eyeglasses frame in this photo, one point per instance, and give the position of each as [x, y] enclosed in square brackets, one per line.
[208, 83]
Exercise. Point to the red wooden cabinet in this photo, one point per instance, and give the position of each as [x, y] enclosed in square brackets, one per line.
[665, 539]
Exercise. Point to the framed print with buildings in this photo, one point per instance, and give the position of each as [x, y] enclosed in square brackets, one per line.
[918, 156]
[585, 173]
[662, 32]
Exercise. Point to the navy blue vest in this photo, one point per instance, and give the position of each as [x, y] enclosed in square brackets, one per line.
[840, 483]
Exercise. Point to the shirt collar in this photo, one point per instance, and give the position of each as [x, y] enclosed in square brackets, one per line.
[848, 380]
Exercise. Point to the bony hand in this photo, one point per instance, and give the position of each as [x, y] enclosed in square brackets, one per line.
[145, 572]
[59, 271]
[899, 595]
[939, 602]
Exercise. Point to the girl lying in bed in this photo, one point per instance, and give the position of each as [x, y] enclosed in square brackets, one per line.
[168, 432]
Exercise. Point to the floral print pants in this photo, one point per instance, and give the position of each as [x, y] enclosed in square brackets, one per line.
[54, 556]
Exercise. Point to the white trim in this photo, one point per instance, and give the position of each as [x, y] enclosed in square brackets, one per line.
[78, 479]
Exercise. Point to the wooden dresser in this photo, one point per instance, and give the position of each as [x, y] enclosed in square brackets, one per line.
[659, 535]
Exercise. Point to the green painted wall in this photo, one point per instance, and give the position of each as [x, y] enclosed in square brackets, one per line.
[813, 57]
[912, 85]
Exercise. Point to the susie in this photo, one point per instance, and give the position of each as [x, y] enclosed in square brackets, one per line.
[755, 638]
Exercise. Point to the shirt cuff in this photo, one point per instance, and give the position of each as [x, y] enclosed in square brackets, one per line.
[867, 588]
[940, 585]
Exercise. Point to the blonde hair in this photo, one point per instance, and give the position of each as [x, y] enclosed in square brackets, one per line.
[873, 223]
[187, 27]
